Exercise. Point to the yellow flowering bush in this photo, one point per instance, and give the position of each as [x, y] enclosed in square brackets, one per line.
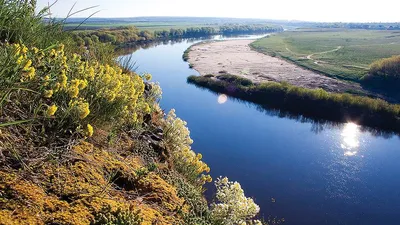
[178, 141]
[69, 90]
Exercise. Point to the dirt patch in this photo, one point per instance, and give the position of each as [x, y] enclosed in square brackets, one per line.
[237, 58]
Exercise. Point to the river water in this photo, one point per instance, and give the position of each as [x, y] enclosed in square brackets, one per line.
[305, 171]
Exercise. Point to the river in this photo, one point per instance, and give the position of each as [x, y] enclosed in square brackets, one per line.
[308, 172]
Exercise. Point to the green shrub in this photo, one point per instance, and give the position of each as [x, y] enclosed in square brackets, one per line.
[389, 67]
[118, 217]
[385, 73]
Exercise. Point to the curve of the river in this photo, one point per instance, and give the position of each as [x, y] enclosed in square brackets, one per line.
[317, 172]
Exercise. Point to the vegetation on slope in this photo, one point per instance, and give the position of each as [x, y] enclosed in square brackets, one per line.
[83, 140]
[385, 73]
[314, 103]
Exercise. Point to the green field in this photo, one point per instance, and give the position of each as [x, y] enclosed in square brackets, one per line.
[341, 53]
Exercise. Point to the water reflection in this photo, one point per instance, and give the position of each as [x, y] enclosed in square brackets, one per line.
[318, 125]
[133, 47]
[350, 142]
[222, 98]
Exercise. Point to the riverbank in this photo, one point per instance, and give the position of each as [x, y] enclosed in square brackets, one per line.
[318, 103]
[83, 139]
[236, 57]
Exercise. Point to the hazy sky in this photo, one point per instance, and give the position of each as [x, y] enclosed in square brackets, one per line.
[308, 10]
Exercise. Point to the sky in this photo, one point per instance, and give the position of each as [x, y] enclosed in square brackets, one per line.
[305, 10]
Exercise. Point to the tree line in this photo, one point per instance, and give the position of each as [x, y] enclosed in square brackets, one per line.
[132, 35]
[367, 26]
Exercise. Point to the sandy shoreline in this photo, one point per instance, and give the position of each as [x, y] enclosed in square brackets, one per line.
[237, 58]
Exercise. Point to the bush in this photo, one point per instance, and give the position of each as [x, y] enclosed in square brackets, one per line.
[232, 206]
[389, 67]
[63, 95]
[186, 161]
[119, 217]
[385, 73]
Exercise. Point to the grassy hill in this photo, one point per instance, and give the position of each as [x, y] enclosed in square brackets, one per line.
[84, 141]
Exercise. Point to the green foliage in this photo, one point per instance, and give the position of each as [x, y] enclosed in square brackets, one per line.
[118, 217]
[248, 29]
[235, 80]
[20, 24]
[385, 73]
[199, 213]
[126, 35]
[386, 67]
[309, 102]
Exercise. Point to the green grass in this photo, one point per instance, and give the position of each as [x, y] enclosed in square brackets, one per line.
[358, 49]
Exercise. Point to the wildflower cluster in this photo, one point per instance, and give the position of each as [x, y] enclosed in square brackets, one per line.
[177, 138]
[232, 206]
[72, 91]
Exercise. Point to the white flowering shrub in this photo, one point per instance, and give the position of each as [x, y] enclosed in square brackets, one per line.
[232, 207]
[177, 140]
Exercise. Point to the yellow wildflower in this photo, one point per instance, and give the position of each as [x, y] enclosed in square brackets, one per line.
[63, 79]
[46, 79]
[82, 84]
[48, 93]
[84, 110]
[31, 73]
[91, 73]
[147, 76]
[73, 91]
[57, 87]
[19, 60]
[35, 50]
[53, 53]
[89, 130]
[24, 49]
[81, 69]
[28, 65]
[199, 156]
[51, 110]
[61, 47]
[81, 108]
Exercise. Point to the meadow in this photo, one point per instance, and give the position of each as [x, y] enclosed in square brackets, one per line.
[341, 53]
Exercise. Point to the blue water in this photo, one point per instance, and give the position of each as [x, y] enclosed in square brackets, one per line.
[318, 173]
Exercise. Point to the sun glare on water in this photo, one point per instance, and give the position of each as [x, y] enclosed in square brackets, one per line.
[350, 141]
[222, 98]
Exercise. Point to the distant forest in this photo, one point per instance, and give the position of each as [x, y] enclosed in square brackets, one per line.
[367, 26]
[131, 35]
